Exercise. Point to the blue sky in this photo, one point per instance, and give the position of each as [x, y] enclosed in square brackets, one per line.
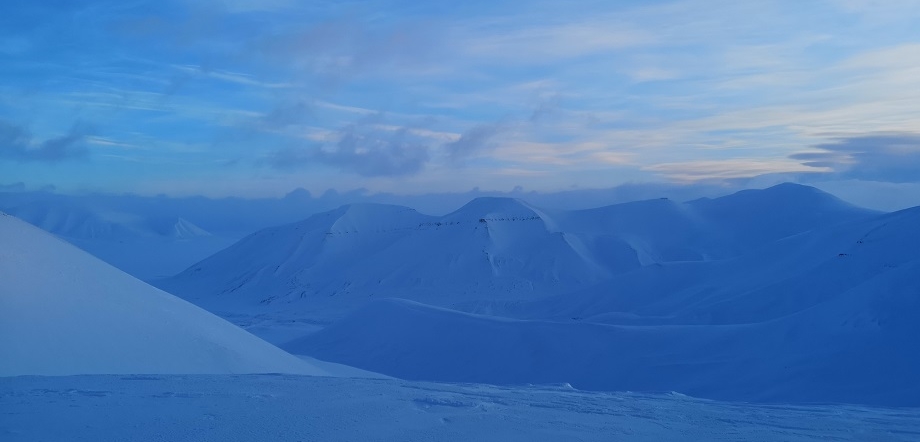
[255, 98]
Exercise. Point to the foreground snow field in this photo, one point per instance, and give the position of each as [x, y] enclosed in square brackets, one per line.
[301, 408]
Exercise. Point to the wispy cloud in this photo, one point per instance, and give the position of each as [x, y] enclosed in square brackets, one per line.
[230, 77]
[16, 144]
[887, 157]
[13, 187]
[552, 42]
[691, 171]
[360, 148]
[682, 89]
[474, 141]
[287, 114]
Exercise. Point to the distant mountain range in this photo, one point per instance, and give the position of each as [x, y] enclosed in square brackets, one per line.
[490, 250]
[827, 315]
[786, 294]
[82, 223]
[142, 242]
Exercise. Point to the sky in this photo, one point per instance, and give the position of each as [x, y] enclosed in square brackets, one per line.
[255, 98]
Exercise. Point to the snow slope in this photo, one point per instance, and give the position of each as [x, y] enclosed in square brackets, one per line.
[492, 249]
[153, 257]
[771, 282]
[65, 312]
[751, 218]
[303, 408]
[826, 315]
[858, 351]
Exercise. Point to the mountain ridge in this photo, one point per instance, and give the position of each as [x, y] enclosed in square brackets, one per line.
[491, 248]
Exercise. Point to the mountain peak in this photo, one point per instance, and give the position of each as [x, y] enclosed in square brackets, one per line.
[789, 195]
[789, 188]
[496, 208]
[760, 215]
[373, 216]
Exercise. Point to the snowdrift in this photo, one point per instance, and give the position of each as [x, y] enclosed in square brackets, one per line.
[64, 312]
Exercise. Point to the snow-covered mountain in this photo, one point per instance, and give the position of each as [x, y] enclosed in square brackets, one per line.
[64, 312]
[781, 278]
[492, 249]
[79, 222]
[70, 221]
[139, 242]
[495, 248]
[827, 315]
[785, 294]
[751, 218]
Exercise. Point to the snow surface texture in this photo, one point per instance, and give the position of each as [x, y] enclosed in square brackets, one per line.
[65, 312]
[491, 249]
[298, 408]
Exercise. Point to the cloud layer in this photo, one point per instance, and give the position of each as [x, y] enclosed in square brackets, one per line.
[886, 157]
[547, 95]
[367, 148]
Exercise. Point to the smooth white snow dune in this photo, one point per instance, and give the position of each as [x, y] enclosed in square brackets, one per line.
[492, 249]
[305, 408]
[65, 312]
